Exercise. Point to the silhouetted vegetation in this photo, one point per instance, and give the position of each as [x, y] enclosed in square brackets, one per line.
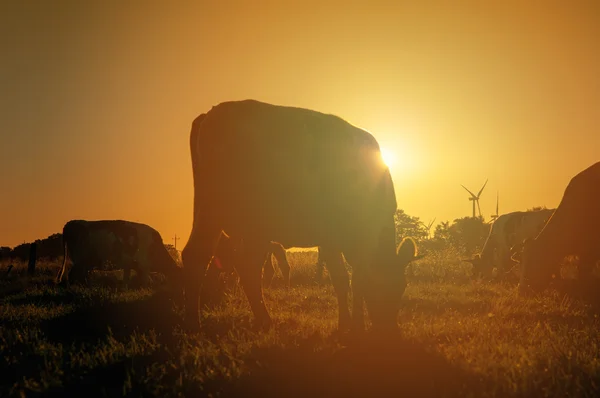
[175, 254]
[465, 235]
[456, 338]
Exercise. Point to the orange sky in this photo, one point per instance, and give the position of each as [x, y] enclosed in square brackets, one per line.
[97, 100]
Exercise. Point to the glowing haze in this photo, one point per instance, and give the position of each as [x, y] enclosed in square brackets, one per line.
[98, 98]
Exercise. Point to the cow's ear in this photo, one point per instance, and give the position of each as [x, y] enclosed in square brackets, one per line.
[407, 250]
[517, 250]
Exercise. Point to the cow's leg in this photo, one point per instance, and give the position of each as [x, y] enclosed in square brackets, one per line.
[213, 288]
[127, 274]
[60, 278]
[358, 262]
[61, 273]
[284, 266]
[196, 256]
[268, 271]
[341, 283]
[79, 271]
[320, 266]
[142, 273]
[249, 270]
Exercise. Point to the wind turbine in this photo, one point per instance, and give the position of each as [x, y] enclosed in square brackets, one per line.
[475, 198]
[428, 227]
[494, 216]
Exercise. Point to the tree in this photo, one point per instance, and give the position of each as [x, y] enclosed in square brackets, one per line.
[4, 252]
[537, 208]
[51, 247]
[468, 234]
[20, 252]
[173, 252]
[408, 226]
[442, 231]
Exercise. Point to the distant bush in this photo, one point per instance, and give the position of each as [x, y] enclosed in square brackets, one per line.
[175, 254]
[442, 265]
[466, 235]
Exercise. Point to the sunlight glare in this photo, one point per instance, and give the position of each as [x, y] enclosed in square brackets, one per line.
[389, 157]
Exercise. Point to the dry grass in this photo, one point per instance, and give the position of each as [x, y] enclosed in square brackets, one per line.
[457, 337]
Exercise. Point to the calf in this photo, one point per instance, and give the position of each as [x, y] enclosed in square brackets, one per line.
[506, 231]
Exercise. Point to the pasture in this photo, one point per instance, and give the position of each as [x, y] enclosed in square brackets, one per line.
[456, 338]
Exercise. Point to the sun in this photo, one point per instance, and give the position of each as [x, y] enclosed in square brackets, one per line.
[389, 157]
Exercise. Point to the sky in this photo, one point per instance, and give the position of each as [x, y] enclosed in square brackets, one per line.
[97, 98]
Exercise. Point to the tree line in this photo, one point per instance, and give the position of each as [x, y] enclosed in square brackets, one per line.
[467, 235]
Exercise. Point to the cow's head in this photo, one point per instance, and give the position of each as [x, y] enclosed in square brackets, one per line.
[516, 252]
[386, 288]
[220, 272]
[477, 264]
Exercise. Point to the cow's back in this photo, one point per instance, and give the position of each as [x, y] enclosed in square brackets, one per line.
[578, 215]
[291, 172]
[531, 224]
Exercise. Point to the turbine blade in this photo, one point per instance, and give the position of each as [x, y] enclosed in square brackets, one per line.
[479, 208]
[472, 194]
[480, 191]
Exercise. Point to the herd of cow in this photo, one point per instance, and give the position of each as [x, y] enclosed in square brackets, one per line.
[268, 177]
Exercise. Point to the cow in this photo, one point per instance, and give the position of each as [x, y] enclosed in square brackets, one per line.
[278, 251]
[573, 229]
[221, 275]
[333, 191]
[506, 232]
[127, 245]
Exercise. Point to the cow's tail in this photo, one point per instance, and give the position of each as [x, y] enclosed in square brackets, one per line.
[194, 138]
[61, 272]
[194, 134]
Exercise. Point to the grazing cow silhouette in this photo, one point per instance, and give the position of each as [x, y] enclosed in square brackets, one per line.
[127, 245]
[333, 191]
[507, 231]
[221, 275]
[278, 251]
[573, 229]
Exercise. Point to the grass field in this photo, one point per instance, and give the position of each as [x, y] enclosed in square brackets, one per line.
[456, 338]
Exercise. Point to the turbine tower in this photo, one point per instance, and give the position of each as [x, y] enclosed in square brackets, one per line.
[475, 198]
[494, 216]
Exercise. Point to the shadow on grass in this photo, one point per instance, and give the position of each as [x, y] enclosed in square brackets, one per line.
[364, 369]
[419, 305]
[368, 367]
[91, 323]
